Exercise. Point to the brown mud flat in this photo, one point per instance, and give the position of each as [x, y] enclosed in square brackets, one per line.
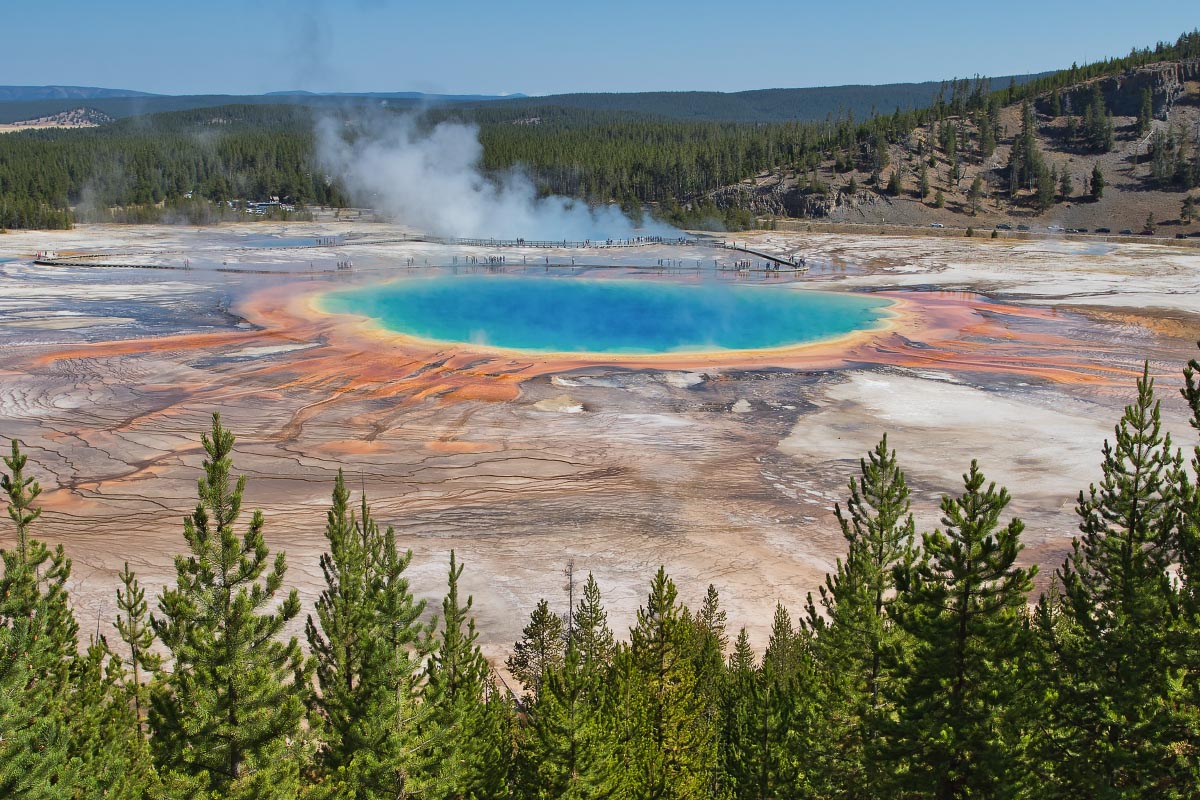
[725, 467]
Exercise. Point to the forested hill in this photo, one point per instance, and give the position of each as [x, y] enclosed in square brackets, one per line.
[25, 93]
[763, 105]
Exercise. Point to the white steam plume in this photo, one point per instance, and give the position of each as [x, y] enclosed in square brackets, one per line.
[432, 179]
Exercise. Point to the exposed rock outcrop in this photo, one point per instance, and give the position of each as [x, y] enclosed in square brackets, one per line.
[785, 198]
[1123, 92]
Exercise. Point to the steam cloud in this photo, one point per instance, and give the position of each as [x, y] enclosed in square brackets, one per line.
[432, 179]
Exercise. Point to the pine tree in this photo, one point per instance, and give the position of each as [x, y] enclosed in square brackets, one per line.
[572, 742]
[106, 735]
[1024, 158]
[227, 718]
[1145, 113]
[1098, 183]
[1117, 592]
[123, 695]
[1045, 188]
[1187, 210]
[711, 619]
[742, 657]
[466, 730]
[1187, 543]
[785, 647]
[133, 626]
[975, 194]
[367, 640]
[709, 642]
[569, 750]
[987, 137]
[678, 754]
[856, 643]
[923, 182]
[1065, 187]
[963, 606]
[1047, 758]
[1097, 122]
[760, 754]
[37, 648]
[627, 710]
[1185, 727]
[591, 634]
[541, 648]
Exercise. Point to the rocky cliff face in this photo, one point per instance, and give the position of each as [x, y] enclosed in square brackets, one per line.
[784, 199]
[1123, 92]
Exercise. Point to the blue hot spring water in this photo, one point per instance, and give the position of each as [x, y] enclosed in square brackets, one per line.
[579, 315]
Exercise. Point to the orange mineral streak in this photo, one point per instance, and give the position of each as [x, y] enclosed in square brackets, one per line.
[335, 356]
[968, 333]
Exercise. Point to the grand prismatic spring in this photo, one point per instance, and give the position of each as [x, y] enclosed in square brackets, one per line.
[573, 403]
[578, 315]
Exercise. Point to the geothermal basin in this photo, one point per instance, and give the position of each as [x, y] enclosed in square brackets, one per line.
[605, 316]
[521, 435]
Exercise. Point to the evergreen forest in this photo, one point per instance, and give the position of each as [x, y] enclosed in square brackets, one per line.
[190, 165]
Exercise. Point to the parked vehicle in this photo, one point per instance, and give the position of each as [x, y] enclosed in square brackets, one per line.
[936, 225]
[1004, 226]
[1181, 236]
[1056, 228]
[1103, 230]
[1022, 227]
[1127, 232]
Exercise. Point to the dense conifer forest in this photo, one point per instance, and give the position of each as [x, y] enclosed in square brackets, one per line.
[923, 668]
[186, 165]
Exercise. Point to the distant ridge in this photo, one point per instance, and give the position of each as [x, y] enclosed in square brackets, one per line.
[808, 104]
[441, 98]
[132, 105]
[16, 94]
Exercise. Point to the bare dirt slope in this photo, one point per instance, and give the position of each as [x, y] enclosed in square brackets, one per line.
[1132, 193]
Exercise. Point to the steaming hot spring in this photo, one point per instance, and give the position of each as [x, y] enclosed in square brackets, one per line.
[614, 316]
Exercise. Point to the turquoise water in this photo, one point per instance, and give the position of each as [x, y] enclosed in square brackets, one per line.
[277, 241]
[578, 315]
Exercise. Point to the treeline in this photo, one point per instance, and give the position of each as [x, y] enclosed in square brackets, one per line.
[255, 153]
[1175, 159]
[650, 161]
[919, 670]
[218, 155]
[23, 212]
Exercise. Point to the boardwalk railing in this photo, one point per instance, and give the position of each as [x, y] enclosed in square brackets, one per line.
[637, 241]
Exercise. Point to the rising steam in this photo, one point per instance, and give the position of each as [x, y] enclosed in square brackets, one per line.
[431, 178]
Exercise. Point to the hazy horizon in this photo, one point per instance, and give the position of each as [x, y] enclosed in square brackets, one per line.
[536, 48]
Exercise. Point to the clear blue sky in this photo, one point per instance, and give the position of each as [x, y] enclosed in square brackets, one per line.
[541, 47]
